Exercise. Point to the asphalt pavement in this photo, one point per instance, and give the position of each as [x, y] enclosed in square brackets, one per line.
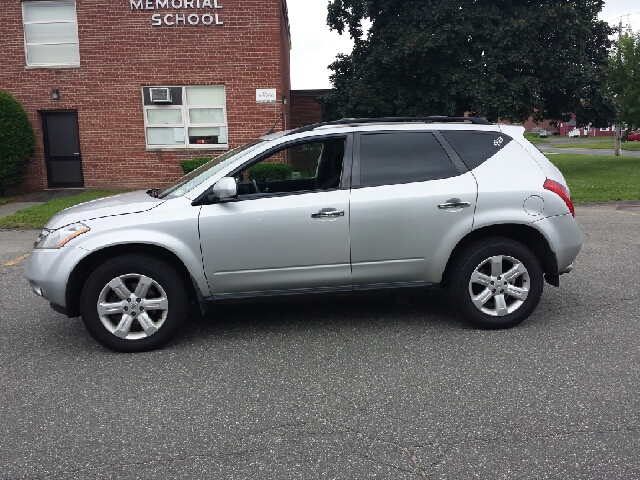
[586, 151]
[552, 142]
[342, 387]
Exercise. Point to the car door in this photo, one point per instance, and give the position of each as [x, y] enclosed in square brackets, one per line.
[286, 232]
[410, 204]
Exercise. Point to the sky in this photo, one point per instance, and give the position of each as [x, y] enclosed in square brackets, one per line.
[315, 47]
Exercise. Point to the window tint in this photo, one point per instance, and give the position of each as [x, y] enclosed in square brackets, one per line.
[475, 148]
[302, 167]
[403, 157]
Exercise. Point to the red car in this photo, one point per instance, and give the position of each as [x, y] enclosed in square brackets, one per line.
[634, 136]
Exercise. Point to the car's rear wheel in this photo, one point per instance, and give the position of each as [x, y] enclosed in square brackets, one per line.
[133, 303]
[496, 283]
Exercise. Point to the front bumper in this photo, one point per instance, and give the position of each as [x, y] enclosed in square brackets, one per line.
[48, 271]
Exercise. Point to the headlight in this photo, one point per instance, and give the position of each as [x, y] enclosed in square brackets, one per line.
[58, 238]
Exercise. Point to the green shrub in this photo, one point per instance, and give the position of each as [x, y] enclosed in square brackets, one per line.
[17, 142]
[191, 165]
[265, 172]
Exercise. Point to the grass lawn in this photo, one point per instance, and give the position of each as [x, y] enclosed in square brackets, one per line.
[36, 216]
[4, 200]
[601, 144]
[594, 178]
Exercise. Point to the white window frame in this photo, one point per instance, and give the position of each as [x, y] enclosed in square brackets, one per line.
[26, 45]
[186, 120]
[605, 129]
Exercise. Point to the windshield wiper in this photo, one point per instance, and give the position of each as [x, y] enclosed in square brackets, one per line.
[153, 192]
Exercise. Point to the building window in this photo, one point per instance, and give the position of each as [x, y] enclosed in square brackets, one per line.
[51, 33]
[194, 117]
[604, 129]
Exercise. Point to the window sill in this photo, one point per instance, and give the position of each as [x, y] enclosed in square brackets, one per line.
[187, 149]
[57, 67]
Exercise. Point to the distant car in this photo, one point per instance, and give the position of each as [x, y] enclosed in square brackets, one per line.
[543, 134]
[634, 136]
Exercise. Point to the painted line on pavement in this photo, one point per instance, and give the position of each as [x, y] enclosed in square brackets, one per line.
[628, 213]
[15, 261]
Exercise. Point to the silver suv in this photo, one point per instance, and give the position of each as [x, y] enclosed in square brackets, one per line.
[352, 205]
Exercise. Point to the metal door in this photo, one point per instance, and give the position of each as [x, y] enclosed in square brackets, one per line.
[402, 233]
[405, 233]
[62, 149]
[278, 244]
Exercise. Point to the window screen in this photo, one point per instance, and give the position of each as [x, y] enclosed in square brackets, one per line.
[475, 148]
[403, 157]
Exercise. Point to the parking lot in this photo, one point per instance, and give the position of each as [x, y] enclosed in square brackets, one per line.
[337, 387]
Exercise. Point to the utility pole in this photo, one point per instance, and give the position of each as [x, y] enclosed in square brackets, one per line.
[618, 129]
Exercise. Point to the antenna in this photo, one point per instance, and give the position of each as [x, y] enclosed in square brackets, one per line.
[272, 129]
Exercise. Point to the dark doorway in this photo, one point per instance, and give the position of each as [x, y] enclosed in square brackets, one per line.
[62, 149]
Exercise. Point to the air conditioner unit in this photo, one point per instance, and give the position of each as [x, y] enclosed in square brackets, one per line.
[160, 95]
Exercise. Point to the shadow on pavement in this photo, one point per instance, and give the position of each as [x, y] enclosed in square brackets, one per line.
[322, 311]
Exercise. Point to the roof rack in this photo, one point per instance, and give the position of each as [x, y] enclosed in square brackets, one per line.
[433, 119]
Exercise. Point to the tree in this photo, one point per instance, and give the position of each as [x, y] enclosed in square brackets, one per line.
[17, 142]
[496, 59]
[623, 79]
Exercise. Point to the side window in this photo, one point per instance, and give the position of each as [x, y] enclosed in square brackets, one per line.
[403, 157]
[301, 167]
[475, 148]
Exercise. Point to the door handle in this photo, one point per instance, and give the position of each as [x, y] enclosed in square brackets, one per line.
[452, 204]
[327, 214]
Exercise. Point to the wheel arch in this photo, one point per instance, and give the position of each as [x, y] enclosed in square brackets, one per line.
[89, 263]
[529, 236]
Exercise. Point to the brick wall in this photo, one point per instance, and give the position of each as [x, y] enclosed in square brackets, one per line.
[120, 52]
[305, 109]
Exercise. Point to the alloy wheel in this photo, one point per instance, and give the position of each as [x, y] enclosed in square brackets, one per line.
[499, 285]
[132, 306]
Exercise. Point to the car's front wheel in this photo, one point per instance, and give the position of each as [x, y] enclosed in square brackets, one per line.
[133, 303]
[496, 283]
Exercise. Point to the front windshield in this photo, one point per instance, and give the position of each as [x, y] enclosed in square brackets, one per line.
[199, 175]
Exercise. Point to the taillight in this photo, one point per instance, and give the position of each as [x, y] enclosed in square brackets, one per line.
[562, 191]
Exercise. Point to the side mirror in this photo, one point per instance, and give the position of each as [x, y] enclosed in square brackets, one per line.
[225, 188]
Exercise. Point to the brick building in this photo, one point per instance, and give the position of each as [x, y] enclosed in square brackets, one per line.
[305, 108]
[119, 91]
[569, 128]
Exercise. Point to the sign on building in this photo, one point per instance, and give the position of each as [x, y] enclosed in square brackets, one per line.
[266, 95]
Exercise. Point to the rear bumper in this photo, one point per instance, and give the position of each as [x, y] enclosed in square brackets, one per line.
[48, 270]
[564, 237]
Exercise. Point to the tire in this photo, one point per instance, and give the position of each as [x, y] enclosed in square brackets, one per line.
[507, 301]
[133, 303]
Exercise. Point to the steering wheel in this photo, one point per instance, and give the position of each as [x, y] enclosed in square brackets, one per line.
[255, 185]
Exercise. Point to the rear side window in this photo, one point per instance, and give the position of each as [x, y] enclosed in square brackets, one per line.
[403, 157]
[475, 148]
